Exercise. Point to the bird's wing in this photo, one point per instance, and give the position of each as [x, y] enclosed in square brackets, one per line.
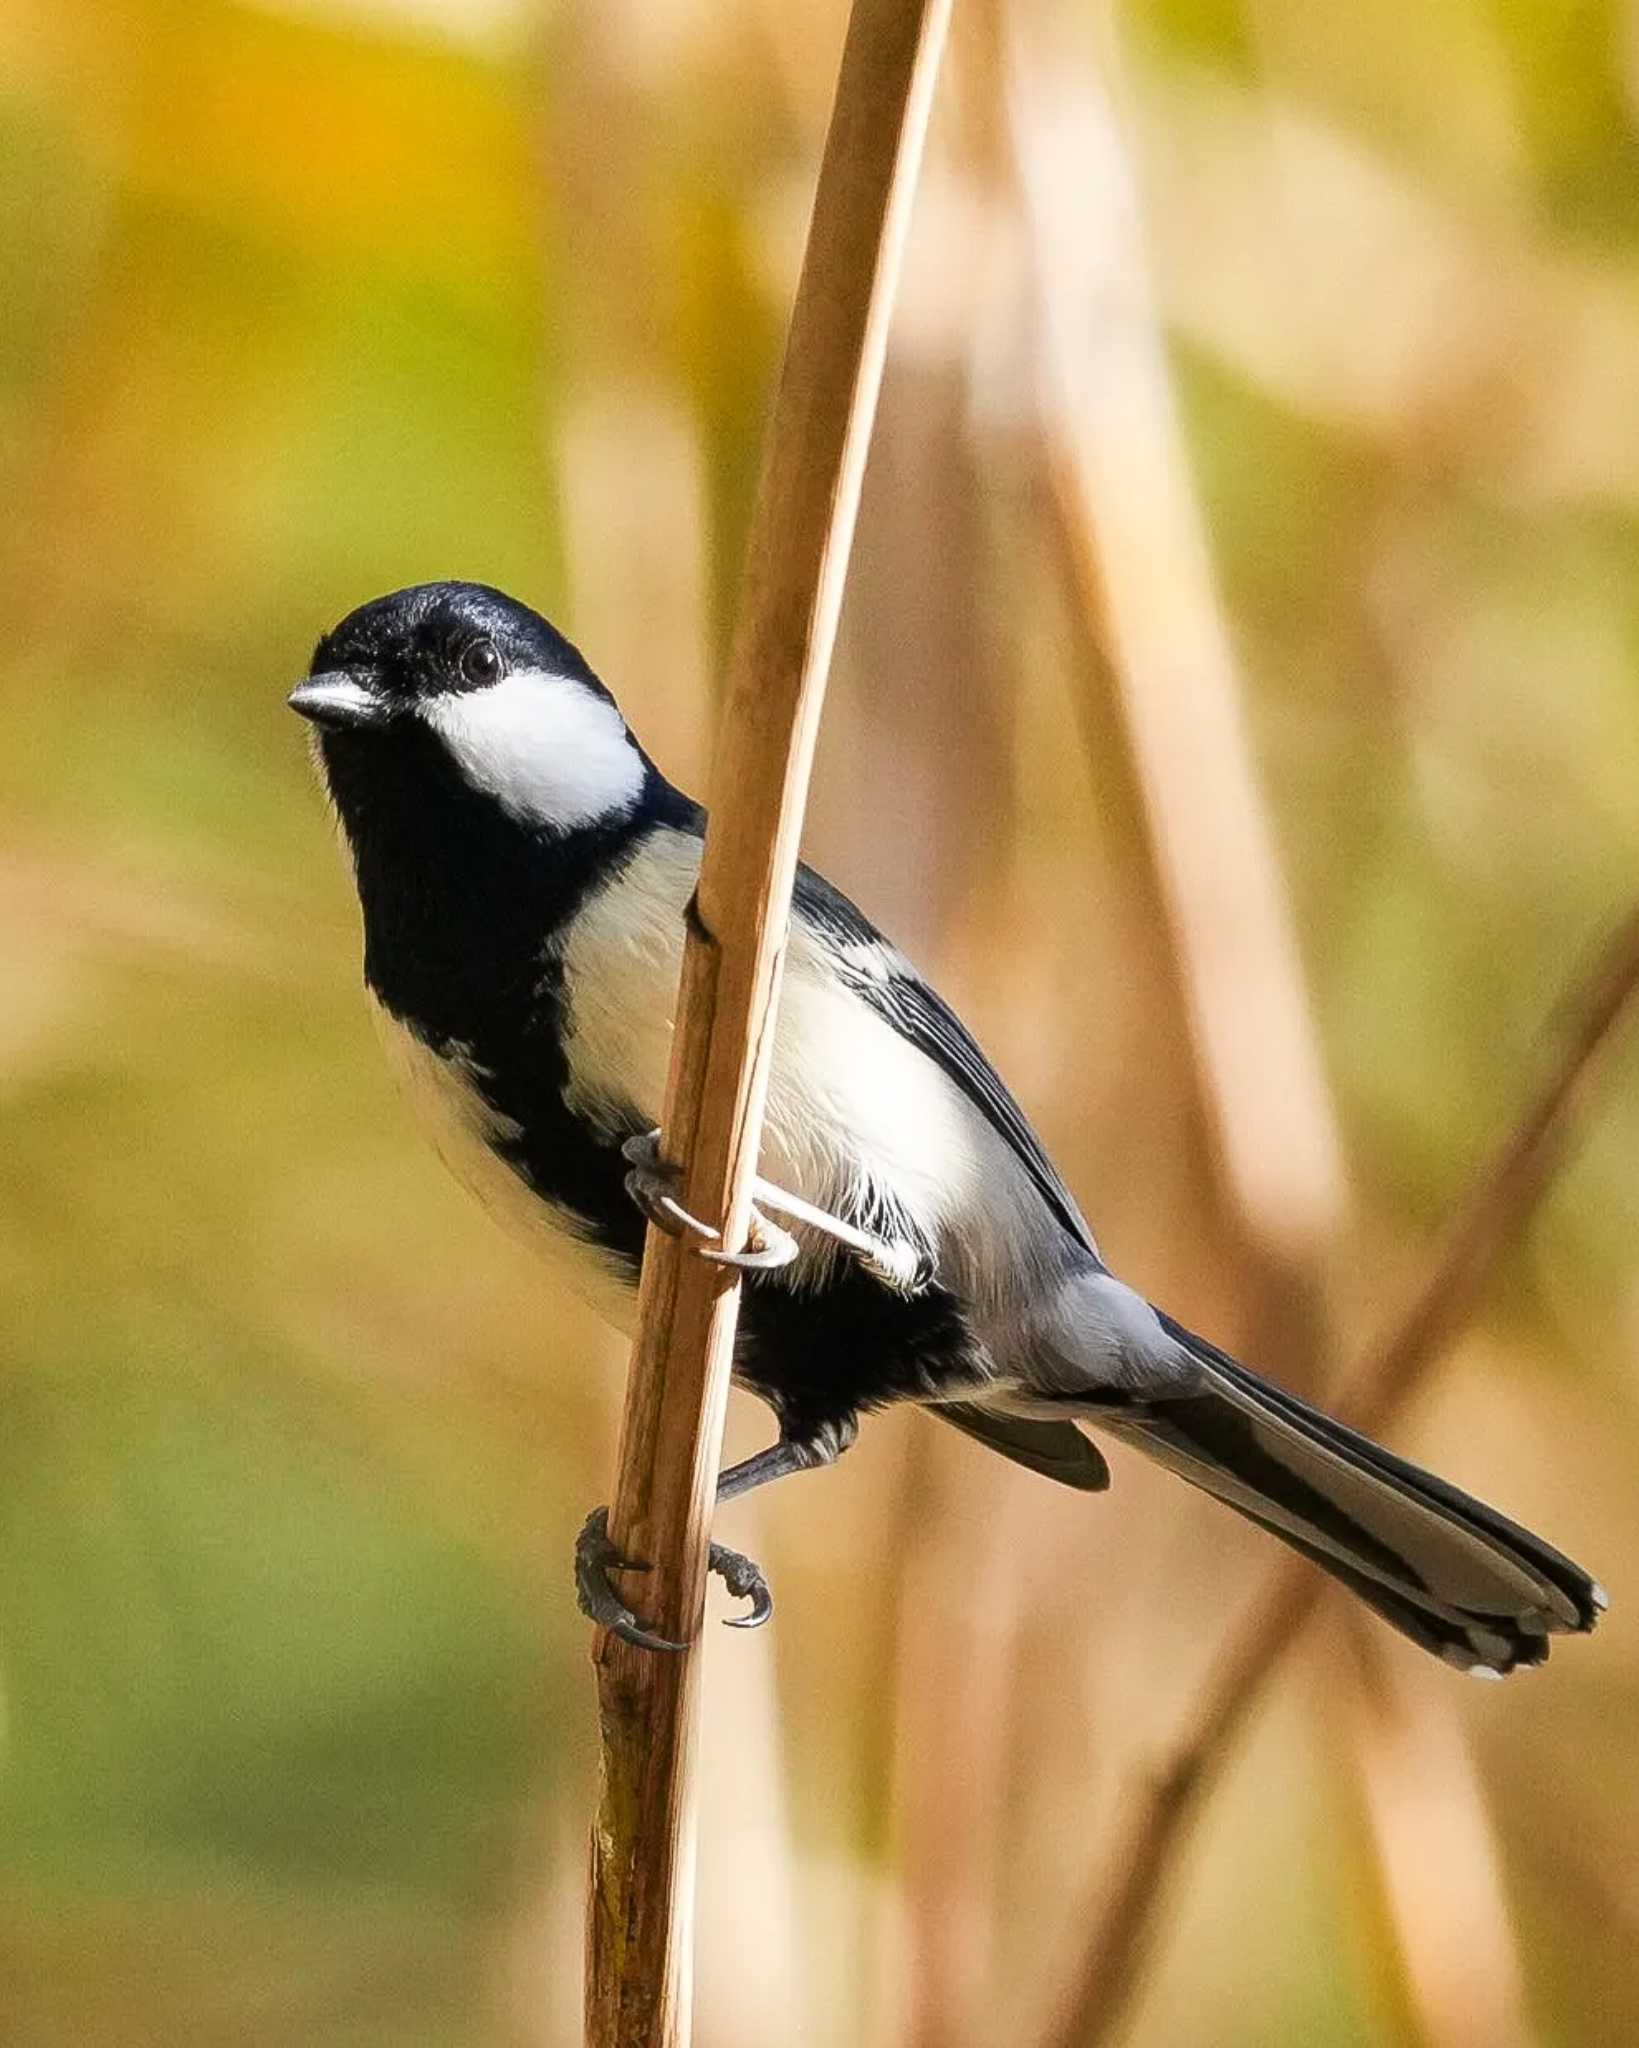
[1057, 1450]
[882, 977]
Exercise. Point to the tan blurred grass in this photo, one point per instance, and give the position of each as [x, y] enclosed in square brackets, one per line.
[300, 307]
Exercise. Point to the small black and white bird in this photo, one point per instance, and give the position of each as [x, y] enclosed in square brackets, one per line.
[524, 870]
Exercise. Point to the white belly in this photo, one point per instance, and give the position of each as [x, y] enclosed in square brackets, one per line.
[462, 1126]
[844, 1087]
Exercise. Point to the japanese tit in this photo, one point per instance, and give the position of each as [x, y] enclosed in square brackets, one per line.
[523, 869]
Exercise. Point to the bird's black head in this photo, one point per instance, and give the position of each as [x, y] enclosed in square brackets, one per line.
[454, 691]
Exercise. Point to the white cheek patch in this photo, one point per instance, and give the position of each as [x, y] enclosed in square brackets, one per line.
[549, 750]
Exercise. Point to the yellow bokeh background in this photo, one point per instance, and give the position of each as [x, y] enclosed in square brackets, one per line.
[300, 303]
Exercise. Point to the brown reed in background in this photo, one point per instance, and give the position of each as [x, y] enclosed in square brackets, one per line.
[307, 301]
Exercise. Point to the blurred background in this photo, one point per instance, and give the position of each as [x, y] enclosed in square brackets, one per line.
[1238, 710]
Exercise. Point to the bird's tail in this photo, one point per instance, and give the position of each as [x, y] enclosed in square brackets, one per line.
[1454, 1575]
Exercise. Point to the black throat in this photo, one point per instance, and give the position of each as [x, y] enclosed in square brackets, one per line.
[461, 901]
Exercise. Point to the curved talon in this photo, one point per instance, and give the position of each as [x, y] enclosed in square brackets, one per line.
[631, 1631]
[595, 1557]
[652, 1185]
[662, 1209]
[768, 1248]
[898, 1263]
[743, 1576]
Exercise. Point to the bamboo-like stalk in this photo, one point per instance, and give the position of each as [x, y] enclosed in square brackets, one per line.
[1439, 1871]
[1137, 549]
[1122, 1905]
[1142, 593]
[640, 1883]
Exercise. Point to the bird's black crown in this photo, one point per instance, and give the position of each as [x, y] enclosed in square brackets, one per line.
[421, 642]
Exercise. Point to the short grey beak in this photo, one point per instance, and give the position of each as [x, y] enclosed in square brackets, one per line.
[339, 702]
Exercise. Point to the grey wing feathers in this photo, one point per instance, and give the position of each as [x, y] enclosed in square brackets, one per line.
[1057, 1450]
[1453, 1574]
[896, 991]
[1568, 1597]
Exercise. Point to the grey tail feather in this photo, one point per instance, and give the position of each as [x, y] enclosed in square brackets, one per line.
[1057, 1450]
[1455, 1576]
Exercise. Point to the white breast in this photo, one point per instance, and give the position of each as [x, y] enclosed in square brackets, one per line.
[463, 1129]
[858, 1121]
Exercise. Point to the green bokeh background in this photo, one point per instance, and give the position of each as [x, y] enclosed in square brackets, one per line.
[302, 303]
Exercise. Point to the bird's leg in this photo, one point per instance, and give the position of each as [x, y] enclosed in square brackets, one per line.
[596, 1555]
[895, 1261]
[805, 1453]
[652, 1184]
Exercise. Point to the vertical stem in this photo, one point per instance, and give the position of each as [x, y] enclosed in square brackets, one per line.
[1135, 543]
[1118, 1922]
[640, 1886]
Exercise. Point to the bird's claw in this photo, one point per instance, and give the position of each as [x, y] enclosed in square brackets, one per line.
[767, 1249]
[743, 1576]
[596, 1557]
[652, 1185]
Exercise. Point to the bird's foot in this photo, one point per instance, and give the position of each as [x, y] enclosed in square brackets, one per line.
[596, 1557]
[767, 1248]
[897, 1263]
[652, 1184]
[744, 1578]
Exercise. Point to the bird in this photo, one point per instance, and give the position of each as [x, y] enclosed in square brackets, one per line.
[524, 871]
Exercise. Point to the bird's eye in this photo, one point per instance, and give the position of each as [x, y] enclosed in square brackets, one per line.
[480, 664]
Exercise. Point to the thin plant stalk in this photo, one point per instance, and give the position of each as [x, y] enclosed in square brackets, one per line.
[640, 1885]
[1126, 1894]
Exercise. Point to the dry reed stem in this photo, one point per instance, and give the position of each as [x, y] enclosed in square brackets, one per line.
[1443, 1907]
[1124, 1899]
[1205, 820]
[1137, 548]
[641, 1878]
